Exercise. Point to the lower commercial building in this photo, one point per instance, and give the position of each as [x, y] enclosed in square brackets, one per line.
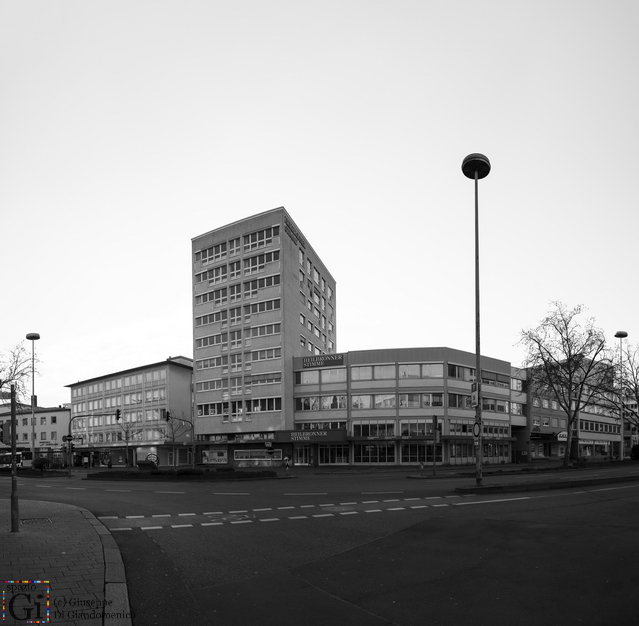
[138, 414]
[40, 431]
[382, 407]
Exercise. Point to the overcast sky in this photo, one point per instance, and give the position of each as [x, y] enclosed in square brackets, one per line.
[130, 127]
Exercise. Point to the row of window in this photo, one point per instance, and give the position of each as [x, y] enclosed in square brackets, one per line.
[240, 407]
[252, 241]
[234, 293]
[222, 384]
[234, 338]
[236, 359]
[43, 420]
[153, 377]
[401, 371]
[599, 427]
[392, 401]
[234, 315]
[251, 265]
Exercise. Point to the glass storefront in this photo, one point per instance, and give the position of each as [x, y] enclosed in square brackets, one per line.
[382, 452]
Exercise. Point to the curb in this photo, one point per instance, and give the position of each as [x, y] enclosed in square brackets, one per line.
[116, 610]
[542, 486]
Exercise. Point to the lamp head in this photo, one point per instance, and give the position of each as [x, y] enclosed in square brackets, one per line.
[33, 336]
[621, 334]
[476, 163]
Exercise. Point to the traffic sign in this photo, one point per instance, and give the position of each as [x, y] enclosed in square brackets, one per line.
[270, 451]
[476, 430]
[67, 438]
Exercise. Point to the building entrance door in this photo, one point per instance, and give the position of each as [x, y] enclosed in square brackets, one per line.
[302, 455]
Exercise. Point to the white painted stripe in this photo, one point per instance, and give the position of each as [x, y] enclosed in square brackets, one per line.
[162, 515]
[299, 517]
[266, 509]
[169, 492]
[307, 506]
[331, 504]
[324, 515]
[437, 505]
[108, 517]
[282, 508]
[349, 513]
[345, 503]
[242, 521]
[370, 502]
[112, 529]
[419, 506]
[44, 486]
[213, 513]
[370, 493]
[489, 501]
[231, 493]
[212, 524]
[397, 508]
[309, 493]
[394, 500]
[150, 527]
[119, 490]
[270, 519]
[243, 511]
[181, 525]
[134, 517]
[372, 510]
[77, 488]
[185, 514]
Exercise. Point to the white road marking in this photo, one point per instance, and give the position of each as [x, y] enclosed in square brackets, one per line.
[151, 527]
[487, 501]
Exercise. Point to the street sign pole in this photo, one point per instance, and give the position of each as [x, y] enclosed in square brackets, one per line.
[15, 509]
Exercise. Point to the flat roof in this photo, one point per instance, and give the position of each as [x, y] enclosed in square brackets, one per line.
[170, 361]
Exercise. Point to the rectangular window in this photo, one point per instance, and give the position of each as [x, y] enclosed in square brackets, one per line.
[333, 375]
[384, 372]
[361, 402]
[409, 400]
[385, 401]
[310, 377]
[261, 238]
[362, 373]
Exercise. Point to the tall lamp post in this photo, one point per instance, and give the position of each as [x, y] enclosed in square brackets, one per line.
[33, 337]
[477, 166]
[621, 335]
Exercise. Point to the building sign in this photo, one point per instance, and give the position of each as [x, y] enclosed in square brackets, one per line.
[215, 457]
[311, 436]
[562, 436]
[293, 233]
[322, 360]
[257, 455]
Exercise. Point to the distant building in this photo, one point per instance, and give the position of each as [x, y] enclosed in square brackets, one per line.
[261, 297]
[154, 406]
[51, 424]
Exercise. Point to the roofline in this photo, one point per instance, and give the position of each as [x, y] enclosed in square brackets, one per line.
[263, 213]
[170, 361]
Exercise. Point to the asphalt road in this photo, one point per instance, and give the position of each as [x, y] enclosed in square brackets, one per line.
[366, 549]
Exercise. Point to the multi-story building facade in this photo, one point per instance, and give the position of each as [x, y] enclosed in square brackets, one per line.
[261, 297]
[47, 431]
[135, 414]
[399, 407]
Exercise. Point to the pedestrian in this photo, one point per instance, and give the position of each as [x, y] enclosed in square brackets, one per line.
[286, 462]
[85, 461]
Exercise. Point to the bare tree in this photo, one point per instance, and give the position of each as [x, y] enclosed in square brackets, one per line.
[629, 364]
[176, 429]
[15, 369]
[568, 361]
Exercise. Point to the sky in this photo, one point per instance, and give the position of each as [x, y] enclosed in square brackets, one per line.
[128, 127]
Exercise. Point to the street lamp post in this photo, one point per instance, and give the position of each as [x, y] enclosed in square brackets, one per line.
[477, 166]
[33, 337]
[621, 334]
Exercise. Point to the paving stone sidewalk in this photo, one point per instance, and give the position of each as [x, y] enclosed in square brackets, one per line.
[67, 546]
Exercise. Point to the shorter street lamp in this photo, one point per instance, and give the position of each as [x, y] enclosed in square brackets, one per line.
[621, 335]
[33, 337]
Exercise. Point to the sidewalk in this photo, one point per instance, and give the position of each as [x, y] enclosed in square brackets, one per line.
[68, 547]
